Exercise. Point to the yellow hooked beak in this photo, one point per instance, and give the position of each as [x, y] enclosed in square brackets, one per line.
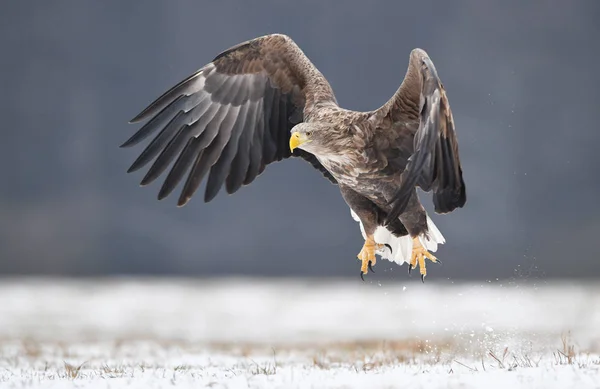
[297, 139]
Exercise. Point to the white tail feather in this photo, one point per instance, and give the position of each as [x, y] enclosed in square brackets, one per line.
[402, 246]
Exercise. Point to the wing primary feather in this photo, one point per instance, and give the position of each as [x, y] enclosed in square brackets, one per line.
[438, 172]
[198, 127]
[208, 157]
[193, 105]
[428, 173]
[241, 162]
[447, 163]
[452, 193]
[276, 131]
[178, 140]
[192, 182]
[261, 169]
[221, 168]
[185, 87]
[212, 128]
[166, 156]
[268, 102]
[271, 127]
[284, 131]
[256, 149]
[157, 143]
[181, 166]
[195, 113]
[152, 125]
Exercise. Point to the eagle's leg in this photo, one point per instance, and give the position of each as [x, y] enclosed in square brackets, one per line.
[369, 217]
[414, 218]
[367, 255]
[418, 256]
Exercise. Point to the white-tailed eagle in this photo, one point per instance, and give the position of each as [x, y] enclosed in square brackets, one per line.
[263, 100]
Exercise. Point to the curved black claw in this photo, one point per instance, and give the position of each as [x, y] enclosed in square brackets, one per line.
[371, 268]
[389, 247]
[438, 262]
[361, 276]
[423, 278]
[409, 268]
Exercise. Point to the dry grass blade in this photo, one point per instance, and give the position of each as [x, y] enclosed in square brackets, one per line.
[500, 362]
[468, 367]
[73, 371]
[568, 350]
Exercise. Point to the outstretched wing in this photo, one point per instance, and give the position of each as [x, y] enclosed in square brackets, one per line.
[419, 111]
[231, 118]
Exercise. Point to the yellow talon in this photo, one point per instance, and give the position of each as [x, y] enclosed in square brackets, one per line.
[419, 254]
[367, 255]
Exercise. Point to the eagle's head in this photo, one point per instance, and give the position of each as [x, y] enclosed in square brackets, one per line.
[315, 138]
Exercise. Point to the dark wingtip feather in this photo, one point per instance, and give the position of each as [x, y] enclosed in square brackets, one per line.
[167, 155]
[148, 110]
[211, 193]
[126, 144]
[166, 97]
[157, 144]
[183, 201]
[148, 179]
[449, 199]
[138, 118]
[189, 189]
[194, 179]
[164, 192]
[139, 136]
[161, 196]
[179, 169]
[153, 124]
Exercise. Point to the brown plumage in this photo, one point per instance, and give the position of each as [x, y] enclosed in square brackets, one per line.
[235, 116]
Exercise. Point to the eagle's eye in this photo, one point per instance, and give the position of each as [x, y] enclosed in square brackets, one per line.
[308, 133]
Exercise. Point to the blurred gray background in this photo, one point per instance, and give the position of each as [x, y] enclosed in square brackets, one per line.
[522, 78]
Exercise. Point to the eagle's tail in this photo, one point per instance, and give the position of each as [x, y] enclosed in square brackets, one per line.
[401, 247]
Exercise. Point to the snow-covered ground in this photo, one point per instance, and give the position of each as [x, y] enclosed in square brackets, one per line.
[239, 333]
